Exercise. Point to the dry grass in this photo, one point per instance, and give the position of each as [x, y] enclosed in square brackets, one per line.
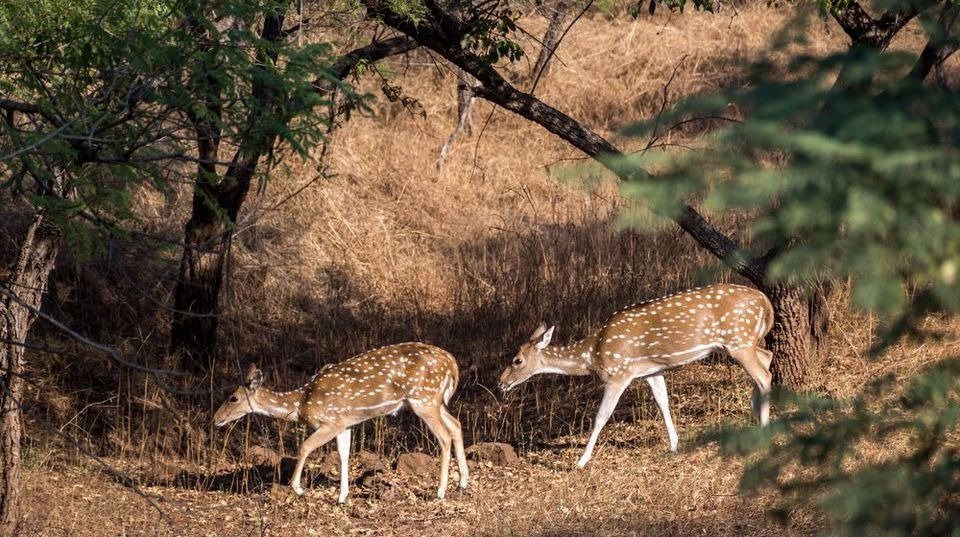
[470, 257]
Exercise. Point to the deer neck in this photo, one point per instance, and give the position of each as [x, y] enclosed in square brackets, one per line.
[280, 405]
[575, 359]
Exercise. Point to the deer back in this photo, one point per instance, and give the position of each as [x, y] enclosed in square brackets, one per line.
[380, 382]
[672, 330]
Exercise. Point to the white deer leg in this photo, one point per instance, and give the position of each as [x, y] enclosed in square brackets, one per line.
[453, 424]
[659, 388]
[762, 390]
[319, 437]
[610, 397]
[754, 361]
[343, 449]
[432, 417]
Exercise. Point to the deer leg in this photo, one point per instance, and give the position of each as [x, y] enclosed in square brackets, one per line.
[453, 426]
[431, 416]
[319, 437]
[753, 360]
[610, 397]
[659, 388]
[343, 449]
[762, 394]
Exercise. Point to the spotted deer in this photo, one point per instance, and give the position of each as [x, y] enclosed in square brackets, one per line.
[644, 340]
[371, 384]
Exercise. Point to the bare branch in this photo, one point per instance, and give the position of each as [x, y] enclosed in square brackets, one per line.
[109, 351]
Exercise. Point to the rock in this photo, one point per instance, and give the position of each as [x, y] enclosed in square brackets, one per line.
[329, 466]
[261, 456]
[496, 453]
[363, 463]
[417, 465]
[368, 462]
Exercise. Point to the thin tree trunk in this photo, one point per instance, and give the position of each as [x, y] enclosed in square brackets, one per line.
[551, 38]
[217, 202]
[465, 99]
[24, 288]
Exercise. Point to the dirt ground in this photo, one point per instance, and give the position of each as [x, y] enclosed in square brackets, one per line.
[632, 487]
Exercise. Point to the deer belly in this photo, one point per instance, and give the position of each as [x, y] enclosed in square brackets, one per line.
[360, 413]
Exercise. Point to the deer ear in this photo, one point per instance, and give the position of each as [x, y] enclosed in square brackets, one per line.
[254, 377]
[538, 332]
[545, 339]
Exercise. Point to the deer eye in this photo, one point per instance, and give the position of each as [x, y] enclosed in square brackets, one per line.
[234, 398]
[518, 360]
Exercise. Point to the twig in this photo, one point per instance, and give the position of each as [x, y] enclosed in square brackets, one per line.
[111, 352]
[114, 472]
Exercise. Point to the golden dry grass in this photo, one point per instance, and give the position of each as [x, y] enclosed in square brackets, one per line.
[513, 229]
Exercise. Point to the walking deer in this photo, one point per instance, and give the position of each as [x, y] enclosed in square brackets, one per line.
[645, 339]
[372, 384]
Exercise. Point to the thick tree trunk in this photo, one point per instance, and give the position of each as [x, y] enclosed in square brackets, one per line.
[798, 337]
[194, 332]
[23, 290]
[789, 340]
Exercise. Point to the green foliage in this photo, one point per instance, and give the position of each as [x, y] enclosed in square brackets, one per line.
[817, 449]
[122, 88]
[488, 33]
[850, 165]
[863, 182]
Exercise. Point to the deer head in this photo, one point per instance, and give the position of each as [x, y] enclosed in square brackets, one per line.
[529, 359]
[241, 402]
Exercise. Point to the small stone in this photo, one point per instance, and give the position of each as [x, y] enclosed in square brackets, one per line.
[369, 462]
[417, 464]
[261, 456]
[494, 453]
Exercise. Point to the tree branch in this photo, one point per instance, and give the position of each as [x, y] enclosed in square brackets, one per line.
[373, 52]
[864, 30]
[497, 90]
[940, 46]
[17, 106]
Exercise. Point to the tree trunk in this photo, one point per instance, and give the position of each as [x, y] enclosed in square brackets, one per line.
[789, 340]
[798, 337]
[23, 290]
[196, 311]
[551, 38]
[217, 202]
[465, 99]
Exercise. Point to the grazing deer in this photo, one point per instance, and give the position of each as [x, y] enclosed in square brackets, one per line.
[372, 384]
[643, 340]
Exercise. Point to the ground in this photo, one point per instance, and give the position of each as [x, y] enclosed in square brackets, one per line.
[633, 486]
